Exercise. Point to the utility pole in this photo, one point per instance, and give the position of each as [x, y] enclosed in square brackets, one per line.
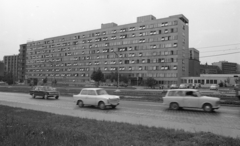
[117, 73]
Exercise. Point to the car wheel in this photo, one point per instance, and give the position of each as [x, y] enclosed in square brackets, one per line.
[207, 107]
[80, 103]
[174, 106]
[102, 105]
[45, 96]
[33, 96]
[114, 106]
[56, 97]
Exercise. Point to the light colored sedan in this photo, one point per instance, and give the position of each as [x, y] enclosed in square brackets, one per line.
[183, 86]
[97, 97]
[214, 87]
[190, 98]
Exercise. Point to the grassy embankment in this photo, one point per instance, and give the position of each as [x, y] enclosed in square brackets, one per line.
[26, 127]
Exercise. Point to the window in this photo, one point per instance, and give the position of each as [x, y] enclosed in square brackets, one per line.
[84, 92]
[142, 27]
[131, 28]
[153, 32]
[207, 82]
[175, 45]
[91, 92]
[148, 60]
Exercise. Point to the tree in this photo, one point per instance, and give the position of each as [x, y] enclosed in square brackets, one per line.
[97, 76]
[8, 78]
[54, 82]
[45, 80]
[124, 79]
[113, 76]
[35, 81]
[151, 82]
[237, 80]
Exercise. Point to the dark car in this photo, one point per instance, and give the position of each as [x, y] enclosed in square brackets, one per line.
[44, 92]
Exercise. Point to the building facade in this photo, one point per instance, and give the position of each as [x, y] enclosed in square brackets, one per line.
[150, 47]
[1, 69]
[194, 63]
[11, 66]
[226, 67]
[22, 62]
[206, 80]
[209, 69]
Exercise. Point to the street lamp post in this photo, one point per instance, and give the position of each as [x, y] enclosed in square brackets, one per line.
[117, 70]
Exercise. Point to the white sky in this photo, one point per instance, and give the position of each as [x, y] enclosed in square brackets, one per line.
[211, 22]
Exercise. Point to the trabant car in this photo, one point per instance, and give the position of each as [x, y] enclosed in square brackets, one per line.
[96, 97]
[190, 98]
[44, 92]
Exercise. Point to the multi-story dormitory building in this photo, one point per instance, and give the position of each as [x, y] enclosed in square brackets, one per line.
[150, 47]
[11, 66]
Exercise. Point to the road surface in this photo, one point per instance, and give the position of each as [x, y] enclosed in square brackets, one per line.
[225, 121]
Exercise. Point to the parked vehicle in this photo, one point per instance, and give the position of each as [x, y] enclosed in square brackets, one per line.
[183, 86]
[174, 86]
[214, 87]
[44, 92]
[97, 97]
[196, 85]
[190, 98]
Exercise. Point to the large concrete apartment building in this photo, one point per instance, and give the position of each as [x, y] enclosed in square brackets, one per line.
[22, 62]
[150, 47]
[1, 69]
[11, 66]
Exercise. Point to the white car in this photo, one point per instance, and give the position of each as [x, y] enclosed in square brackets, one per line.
[97, 97]
[214, 87]
[190, 98]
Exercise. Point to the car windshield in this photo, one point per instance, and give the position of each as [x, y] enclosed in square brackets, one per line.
[102, 92]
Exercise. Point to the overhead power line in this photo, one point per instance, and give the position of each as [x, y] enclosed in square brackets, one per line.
[217, 46]
[221, 50]
[219, 54]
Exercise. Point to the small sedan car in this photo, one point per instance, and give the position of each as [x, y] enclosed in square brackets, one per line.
[44, 92]
[97, 97]
[174, 86]
[214, 87]
[183, 86]
[190, 98]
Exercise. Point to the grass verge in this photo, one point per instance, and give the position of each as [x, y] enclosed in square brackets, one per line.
[26, 127]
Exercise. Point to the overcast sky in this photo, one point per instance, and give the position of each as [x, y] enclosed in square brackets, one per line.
[211, 22]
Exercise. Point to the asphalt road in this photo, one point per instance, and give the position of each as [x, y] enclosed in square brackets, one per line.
[225, 121]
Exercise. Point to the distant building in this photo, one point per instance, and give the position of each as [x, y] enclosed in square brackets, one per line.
[226, 67]
[209, 69]
[194, 63]
[1, 68]
[22, 62]
[11, 66]
[238, 68]
[207, 79]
